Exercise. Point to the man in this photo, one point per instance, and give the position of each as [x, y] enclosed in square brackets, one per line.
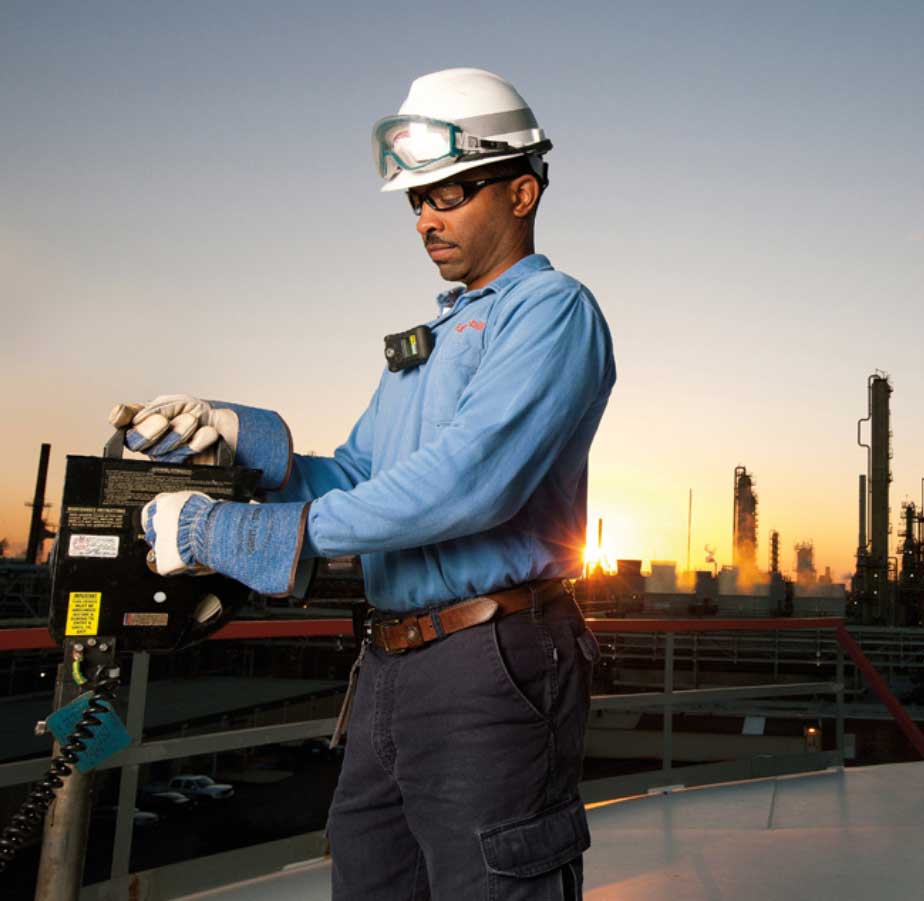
[463, 487]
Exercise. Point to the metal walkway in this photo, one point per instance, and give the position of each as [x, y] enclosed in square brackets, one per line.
[831, 836]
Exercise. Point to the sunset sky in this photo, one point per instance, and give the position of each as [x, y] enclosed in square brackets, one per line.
[188, 203]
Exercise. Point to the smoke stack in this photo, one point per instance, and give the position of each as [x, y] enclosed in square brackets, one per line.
[37, 526]
[862, 542]
[880, 476]
[690, 527]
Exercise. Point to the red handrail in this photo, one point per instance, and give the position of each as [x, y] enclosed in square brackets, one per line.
[763, 624]
[25, 639]
[877, 683]
[34, 638]
[284, 628]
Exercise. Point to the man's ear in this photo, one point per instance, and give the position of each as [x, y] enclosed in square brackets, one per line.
[524, 195]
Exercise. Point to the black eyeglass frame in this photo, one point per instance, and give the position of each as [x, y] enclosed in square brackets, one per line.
[469, 190]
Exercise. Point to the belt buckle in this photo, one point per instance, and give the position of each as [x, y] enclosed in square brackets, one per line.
[391, 621]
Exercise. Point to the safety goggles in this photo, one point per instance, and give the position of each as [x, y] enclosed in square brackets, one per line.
[451, 194]
[416, 142]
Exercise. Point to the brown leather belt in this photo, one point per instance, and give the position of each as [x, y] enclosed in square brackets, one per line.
[401, 633]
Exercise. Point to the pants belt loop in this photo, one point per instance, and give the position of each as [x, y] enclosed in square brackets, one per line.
[535, 614]
[437, 624]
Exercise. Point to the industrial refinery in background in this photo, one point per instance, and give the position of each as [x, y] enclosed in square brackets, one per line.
[887, 588]
[739, 589]
[888, 585]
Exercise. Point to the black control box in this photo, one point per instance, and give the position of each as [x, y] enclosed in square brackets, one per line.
[102, 584]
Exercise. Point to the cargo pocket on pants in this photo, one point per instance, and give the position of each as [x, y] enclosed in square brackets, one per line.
[525, 857]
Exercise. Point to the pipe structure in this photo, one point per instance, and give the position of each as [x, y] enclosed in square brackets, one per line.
[861, 575]
[862, 542]
[67, 822]
[911, 577]
[689, 526]
[37, 531]
[909, 511]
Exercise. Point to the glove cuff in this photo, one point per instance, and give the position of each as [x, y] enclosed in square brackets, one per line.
[191, 529]
[263, 442]
[257, 544]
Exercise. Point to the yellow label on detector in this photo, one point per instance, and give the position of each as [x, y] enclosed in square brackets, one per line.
[83, 612]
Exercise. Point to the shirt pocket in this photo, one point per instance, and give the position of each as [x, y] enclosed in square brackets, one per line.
[448, 376]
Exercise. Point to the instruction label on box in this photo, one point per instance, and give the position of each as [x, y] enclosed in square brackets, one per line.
[83, 612]
[95, 517]
[93, 546]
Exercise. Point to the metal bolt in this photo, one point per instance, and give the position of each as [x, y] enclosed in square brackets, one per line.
[91, 642]
[41, 727]
[104, 647]
[78, 647]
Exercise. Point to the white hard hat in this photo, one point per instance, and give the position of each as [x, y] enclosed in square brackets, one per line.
[454, 120]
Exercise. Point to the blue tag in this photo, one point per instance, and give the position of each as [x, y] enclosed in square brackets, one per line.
[109, 737]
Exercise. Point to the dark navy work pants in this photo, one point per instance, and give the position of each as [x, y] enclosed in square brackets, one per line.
[462, 764]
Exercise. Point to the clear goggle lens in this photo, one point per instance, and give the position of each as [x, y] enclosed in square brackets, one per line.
[412, 142]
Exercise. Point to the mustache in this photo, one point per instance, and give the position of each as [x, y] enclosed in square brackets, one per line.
[433, 238]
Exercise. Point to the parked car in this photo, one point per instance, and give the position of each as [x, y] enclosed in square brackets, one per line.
[107, 813]
[164, 802]
[201, 788]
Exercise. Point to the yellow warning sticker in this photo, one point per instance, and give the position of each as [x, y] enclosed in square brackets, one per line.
[83, 612]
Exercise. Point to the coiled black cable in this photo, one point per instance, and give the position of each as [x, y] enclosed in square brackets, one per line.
[32, 812]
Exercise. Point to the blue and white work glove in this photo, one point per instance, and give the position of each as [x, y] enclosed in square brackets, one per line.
[257, 544]
[174, 428]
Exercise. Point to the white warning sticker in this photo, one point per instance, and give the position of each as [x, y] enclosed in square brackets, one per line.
[93, 546]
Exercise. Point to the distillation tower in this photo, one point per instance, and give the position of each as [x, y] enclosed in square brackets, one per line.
[744, 522]
[911, 577]
[871, 589]
[774, 551]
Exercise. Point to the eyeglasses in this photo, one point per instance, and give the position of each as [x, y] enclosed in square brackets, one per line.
[451, 194]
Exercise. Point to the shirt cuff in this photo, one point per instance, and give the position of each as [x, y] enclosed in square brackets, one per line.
[309, 548]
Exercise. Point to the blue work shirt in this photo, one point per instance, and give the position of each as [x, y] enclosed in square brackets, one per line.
[468, 473]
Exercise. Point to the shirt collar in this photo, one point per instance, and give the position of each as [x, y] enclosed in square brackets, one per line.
[529, 264]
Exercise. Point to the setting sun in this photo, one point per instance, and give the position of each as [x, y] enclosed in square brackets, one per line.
[609, 538]
[606, 557]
